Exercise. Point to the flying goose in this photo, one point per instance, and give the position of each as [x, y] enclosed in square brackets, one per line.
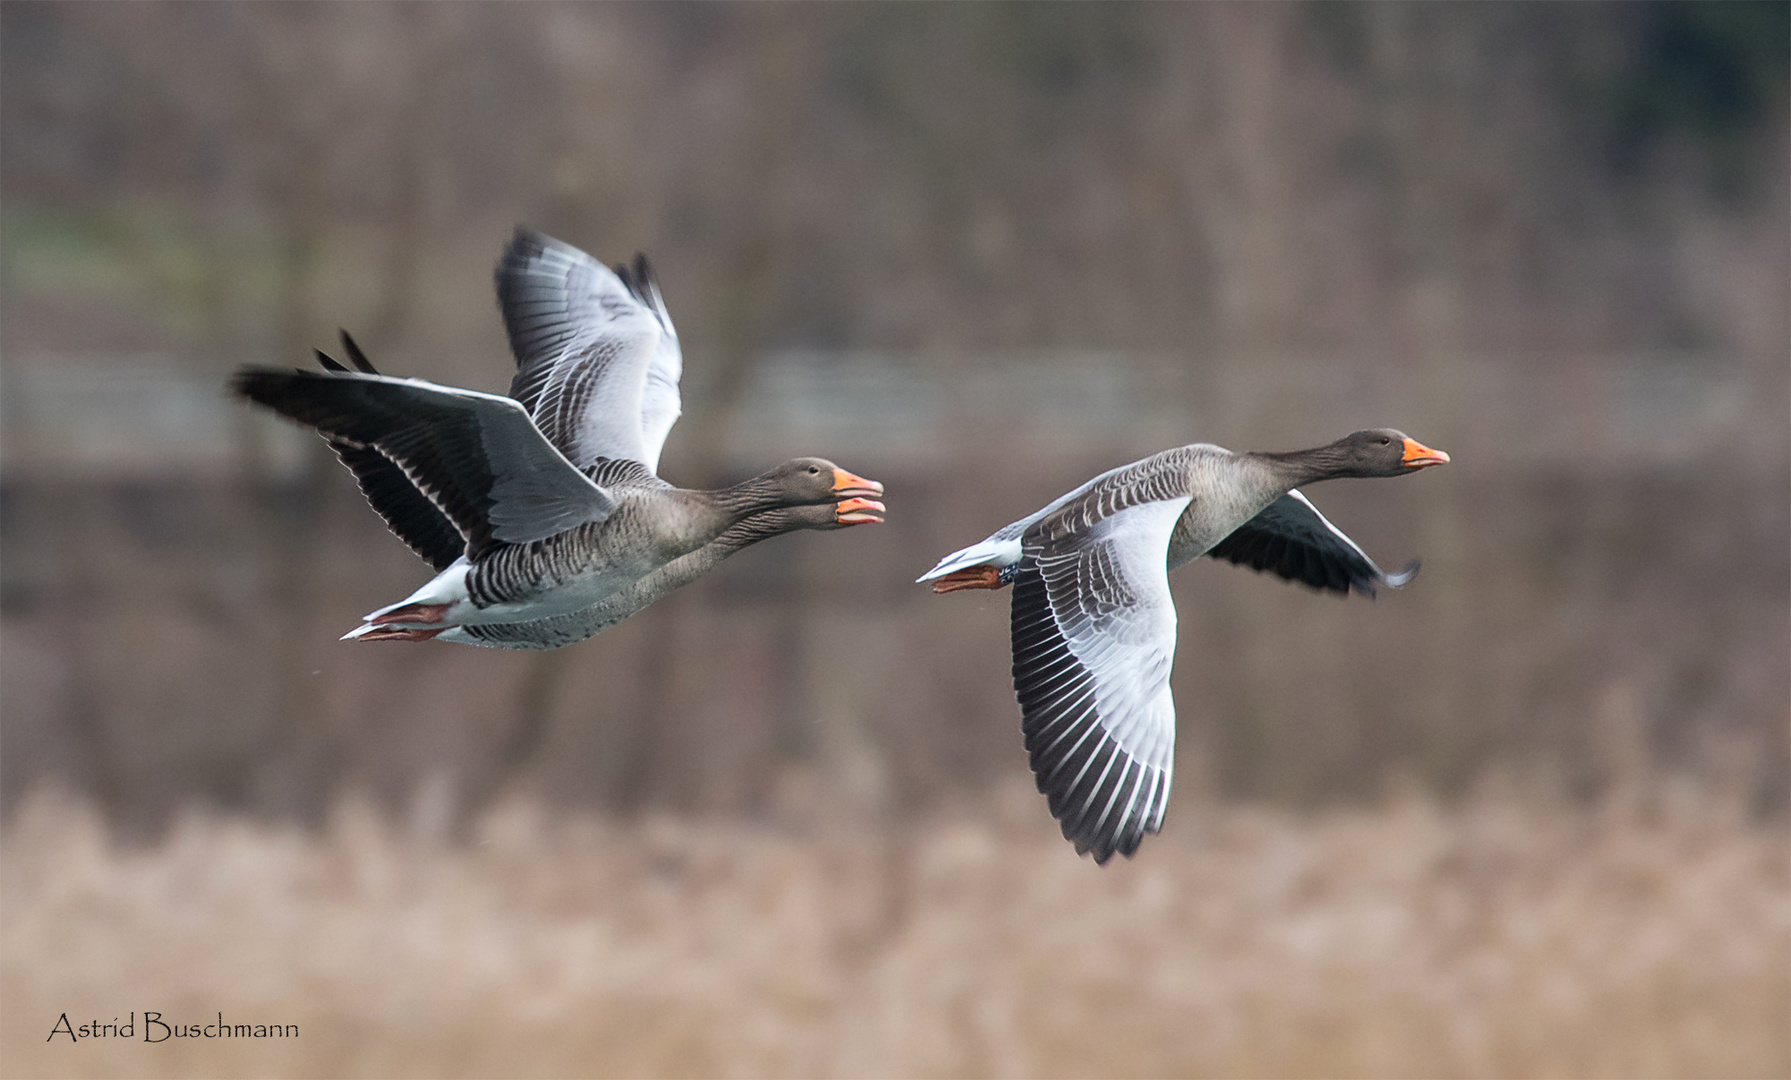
[545, 502]
[415, 519]
[1093, 623]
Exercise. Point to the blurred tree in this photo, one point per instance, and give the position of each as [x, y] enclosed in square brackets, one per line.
[1710, 71]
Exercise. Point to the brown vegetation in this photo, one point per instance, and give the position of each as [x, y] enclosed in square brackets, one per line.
[1504, 938]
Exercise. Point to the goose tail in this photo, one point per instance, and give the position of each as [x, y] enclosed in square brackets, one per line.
[967, 568]
[442, 602]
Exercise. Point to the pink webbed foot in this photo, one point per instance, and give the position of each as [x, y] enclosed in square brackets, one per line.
[971, 577]
[401, 633]
[412, 613]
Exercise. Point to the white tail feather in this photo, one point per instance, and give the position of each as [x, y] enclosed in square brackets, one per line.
[996, 551]
[447, 587]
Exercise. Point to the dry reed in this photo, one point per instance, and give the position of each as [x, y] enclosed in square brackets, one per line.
[1502, 938]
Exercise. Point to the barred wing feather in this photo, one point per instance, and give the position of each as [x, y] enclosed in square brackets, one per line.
[1094, 641]
[597, 359]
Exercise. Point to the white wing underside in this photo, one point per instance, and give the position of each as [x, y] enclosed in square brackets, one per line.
[598, 361]
[1094, 643]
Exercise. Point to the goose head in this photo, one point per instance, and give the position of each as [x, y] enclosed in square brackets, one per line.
[804, 481]
[1378, 452]
[797, 482]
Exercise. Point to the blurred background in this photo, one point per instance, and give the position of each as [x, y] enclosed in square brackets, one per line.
[1527, 816]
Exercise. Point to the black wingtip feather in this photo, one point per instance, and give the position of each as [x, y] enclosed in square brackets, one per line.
[1328, 568]
[355, 355]
[525, 244]
[329, 364]
[260, 385]
[526, 241]
[638, 278]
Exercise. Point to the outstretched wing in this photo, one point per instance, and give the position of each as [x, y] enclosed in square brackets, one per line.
[477, 457]
[1292, 539]
[1094, 642]
[597, 360]
[406, 510]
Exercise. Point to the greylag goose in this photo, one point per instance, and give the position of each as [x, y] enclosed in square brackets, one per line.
[548, 501]
[415, 519]
[1093, 623]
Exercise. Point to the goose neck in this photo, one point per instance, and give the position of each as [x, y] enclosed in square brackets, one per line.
[1297, 467]
[751, 496]
[752, 529]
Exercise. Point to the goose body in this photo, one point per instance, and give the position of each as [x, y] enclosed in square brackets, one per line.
[1093, 623]
[648, 527]
[552, 633]
[543, 503]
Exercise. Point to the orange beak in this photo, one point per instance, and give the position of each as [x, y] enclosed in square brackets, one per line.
[844, 483]
[1417, 455]
[856, 511]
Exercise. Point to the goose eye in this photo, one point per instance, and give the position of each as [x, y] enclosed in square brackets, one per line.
[1385, 440]
[812, 470]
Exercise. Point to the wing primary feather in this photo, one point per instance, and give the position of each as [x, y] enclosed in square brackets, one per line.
[1095, 785]
[1292, 540]
[355, 355]
[1114, 830]
[475, 456]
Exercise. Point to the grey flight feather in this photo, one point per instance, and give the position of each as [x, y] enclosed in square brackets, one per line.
[1093, 627]
[597, 360]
